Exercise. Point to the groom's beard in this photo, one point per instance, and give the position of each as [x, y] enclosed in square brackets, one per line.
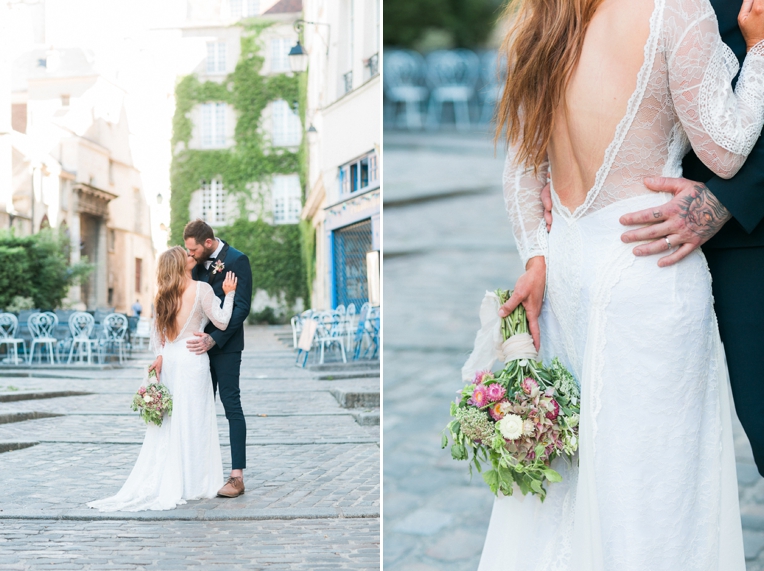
[206, 254]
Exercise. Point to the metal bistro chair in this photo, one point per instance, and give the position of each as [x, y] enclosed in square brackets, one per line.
[298, 322]
[115, 331]
[142, 333]
[81, 327]
[451, 75]
[42, 326]
[9, 325]
[349, 325]
[330, 332]
[493, 82]
[360, 331]
[403, 81]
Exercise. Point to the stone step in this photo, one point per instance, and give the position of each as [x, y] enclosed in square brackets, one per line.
[367, 417]
[345, 375]
[12, 397]
[357, 398]
[22, 416]
[11, 446]
[352, 366]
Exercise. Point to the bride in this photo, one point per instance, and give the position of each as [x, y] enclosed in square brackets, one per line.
[599, 95]
[179, 460]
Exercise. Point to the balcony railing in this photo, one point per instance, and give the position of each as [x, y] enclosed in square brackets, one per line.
[373, 65]
[347, 81]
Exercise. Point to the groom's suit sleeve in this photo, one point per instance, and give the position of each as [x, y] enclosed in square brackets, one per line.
[241, 301]
[742, 195]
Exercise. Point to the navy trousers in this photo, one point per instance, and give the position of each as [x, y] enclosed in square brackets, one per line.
[225, 368]
[739, 300]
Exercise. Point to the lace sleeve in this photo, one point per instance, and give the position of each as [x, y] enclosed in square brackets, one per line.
[721, 124]
[219, 316]
[155, 341]
[522, 198]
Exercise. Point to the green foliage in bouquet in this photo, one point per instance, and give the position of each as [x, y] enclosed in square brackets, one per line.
[518, 420]
[153, 402]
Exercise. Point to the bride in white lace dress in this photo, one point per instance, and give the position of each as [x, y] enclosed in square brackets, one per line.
[638, 82]
[179, 460]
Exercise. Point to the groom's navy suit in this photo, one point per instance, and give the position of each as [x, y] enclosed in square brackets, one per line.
[736, 259]
[225, 356]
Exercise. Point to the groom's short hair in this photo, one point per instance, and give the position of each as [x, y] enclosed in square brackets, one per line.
[199, 230]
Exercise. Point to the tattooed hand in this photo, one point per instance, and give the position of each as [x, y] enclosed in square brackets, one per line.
[689, 220]
[201, 344]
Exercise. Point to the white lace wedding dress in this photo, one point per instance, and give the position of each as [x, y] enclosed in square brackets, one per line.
[655, 484]
[180, 460]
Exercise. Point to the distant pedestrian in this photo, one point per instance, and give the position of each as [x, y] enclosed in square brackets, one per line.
[137, 308]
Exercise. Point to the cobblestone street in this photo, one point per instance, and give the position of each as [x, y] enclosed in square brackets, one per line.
[447, 240]
[312, 499]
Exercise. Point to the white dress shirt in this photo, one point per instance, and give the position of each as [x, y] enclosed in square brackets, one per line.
[214, 254]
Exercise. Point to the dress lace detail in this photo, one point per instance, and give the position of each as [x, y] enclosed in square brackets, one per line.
[180, 460]
[654, 486]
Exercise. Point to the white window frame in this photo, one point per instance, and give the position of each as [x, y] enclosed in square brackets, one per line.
[217, 53]
[244, 8]
[213, 125]
[286, 194]
[351, 179]
[213, 202]
[280, 54]
[286, 128]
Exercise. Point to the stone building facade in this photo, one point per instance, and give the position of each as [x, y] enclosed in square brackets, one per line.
[72, 169]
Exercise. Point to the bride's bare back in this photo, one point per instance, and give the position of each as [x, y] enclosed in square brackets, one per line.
[597, 95]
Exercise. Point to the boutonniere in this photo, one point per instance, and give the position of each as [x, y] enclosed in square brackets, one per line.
[218, 266]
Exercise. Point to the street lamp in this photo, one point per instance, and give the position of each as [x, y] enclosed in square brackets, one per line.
[312, 133]
[298, 57]
[159, 198]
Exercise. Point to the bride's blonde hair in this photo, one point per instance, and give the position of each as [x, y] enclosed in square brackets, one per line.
[171, 279]
[542, 47]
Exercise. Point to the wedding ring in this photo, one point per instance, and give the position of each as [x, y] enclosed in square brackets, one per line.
[668, 242]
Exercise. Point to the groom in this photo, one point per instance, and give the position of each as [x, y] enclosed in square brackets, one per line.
[214, 258]
[727, 218]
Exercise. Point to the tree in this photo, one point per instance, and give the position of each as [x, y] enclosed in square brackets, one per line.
[37, 267]
[468, 22]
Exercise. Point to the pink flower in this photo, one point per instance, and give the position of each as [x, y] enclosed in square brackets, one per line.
[479, 396]
[497, 410]
[142, 391]
[530, 387]
[496, 392]
[482, 376]
[554, 409]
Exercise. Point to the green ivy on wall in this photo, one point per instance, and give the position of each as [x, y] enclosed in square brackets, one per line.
[273, 250]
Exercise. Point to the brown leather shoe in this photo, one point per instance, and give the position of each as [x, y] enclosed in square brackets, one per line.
[234, 487]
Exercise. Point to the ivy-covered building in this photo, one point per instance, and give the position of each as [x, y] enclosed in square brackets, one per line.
[237, 140]
[343, 199]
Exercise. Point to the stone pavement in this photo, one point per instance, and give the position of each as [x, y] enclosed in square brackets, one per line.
[312, 499]
[442, 251]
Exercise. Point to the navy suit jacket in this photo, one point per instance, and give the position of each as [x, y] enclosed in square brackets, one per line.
[232, 339]
[743, 194]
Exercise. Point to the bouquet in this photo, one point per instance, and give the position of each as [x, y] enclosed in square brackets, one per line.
[519, 419]
[153, 401]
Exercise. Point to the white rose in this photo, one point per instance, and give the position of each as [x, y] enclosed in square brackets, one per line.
[146, 398]
[511, 427]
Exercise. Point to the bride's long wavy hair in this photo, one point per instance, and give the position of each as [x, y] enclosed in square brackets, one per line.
[171, 280]
[542, 48]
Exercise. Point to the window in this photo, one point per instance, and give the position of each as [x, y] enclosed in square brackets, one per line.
[244, 8]
[287, 129]
[216, 54]
[287, 202]
[213, 125]
[65, 101]
[213, 202]
[112, 243]
[359, 175]
[280, 54]
[138, 271]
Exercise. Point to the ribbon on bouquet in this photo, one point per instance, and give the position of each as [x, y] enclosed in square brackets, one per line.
[489, 345]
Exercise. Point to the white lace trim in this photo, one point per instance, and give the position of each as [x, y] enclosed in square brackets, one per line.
[635, 100]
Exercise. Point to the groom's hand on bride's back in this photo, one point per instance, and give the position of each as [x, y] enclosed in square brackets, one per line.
[686, 222]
